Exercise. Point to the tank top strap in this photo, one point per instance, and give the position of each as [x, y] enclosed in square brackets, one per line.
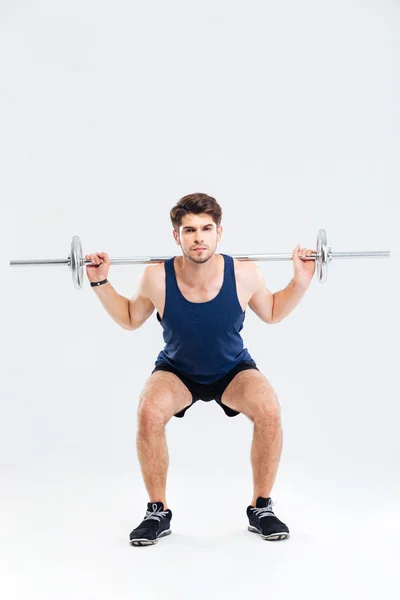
[172, 288]
[229, 275]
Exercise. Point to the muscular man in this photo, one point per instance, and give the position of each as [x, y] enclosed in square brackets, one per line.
[201, 298]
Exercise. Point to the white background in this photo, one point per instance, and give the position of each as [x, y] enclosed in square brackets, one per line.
[287, 113]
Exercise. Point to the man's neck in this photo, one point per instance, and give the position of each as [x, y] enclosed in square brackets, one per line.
[198, 275]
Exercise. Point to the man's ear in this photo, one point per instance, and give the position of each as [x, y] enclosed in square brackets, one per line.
[176, 237]
[220, 229]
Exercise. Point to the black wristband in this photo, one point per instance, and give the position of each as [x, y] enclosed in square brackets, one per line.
[96, 283]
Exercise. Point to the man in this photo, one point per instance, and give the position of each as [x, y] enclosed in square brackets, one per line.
[201, 298]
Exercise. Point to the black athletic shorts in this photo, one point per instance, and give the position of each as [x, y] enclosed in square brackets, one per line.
[208, 391]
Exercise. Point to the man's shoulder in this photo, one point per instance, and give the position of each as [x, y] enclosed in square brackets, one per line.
[154, 278]
[246, 268]
[246, 273]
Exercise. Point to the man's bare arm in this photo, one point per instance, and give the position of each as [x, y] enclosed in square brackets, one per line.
[140, 306]
[286, 300]
[272, 308]
[262, 300]
[129, 314]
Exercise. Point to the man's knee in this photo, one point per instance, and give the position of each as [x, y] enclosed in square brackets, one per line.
[153, 409]
[163, 396]
[267, 408]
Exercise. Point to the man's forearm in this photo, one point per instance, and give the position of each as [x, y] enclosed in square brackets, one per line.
[287, 299]
[117, 306]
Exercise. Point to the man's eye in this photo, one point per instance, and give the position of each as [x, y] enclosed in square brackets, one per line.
[206, 229]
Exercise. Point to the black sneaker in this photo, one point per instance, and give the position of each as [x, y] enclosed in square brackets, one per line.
[263, 521]
[154, 525]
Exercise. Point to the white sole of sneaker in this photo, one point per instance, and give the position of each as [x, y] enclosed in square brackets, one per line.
[145, 542]
[273, 537]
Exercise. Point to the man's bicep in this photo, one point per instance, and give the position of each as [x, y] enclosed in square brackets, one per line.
[141, 306]
[262, 299]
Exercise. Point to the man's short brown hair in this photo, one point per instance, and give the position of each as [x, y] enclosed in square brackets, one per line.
[195, 204]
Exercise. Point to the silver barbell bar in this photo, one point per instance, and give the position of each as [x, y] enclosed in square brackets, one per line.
[76, 262]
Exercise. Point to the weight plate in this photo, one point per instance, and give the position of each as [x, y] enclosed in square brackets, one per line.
[76, 262]
[322, 256]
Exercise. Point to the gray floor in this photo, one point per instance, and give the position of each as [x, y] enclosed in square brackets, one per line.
[66, 536]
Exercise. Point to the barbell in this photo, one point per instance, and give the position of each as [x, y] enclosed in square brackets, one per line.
[76, 262]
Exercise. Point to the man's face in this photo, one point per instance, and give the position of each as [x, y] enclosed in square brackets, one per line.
[198, 231]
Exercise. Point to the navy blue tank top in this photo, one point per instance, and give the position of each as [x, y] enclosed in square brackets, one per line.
[202, 339]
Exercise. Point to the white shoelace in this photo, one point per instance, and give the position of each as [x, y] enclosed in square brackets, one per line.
[155, 513]
[266, 511]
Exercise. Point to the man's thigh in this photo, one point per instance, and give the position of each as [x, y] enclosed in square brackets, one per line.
[164, 394]
[250, 393]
